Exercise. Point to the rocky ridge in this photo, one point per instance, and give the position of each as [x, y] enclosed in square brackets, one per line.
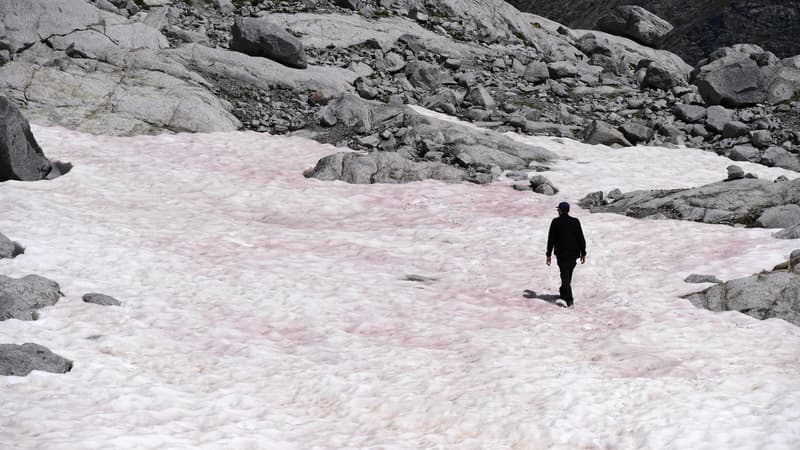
[485, 63]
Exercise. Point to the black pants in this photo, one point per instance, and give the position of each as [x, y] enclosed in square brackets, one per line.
[566, 264]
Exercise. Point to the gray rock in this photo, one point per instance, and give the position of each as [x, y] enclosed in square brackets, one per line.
[614, 194]
[744, 153]
[382, 167]
[541, 185]
[659, 77]
[482, 155]
[784, 216]
[29, 21]
[100, 299]
[731, 81]
[690, 113]
[562, 69]
[536, 72]
[21, 158]
[738, 202]
[734, 129]
[599, 132]
[260, 37]
[780, 157]
[21, 360]
[695, 278]
[358, 115]
[225, 6]
[423, 75]
[21, 297]
[790, 233]
[479, 96]
[9, 248]
[735, 172]
[592, 199]
[761, 138]
[636, 23]
[637, 133]
[716, 118]
[763, 296]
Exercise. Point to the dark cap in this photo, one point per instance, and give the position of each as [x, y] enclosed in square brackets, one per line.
[563, 206]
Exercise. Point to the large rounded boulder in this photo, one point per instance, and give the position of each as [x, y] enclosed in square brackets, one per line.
[260, 37]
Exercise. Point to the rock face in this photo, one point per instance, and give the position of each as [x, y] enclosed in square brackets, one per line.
[636, 23]
[21, 360]
[21, 158]
[20, 298]
[260, 37]
[763, 296]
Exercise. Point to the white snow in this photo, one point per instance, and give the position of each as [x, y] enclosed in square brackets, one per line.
[262, 309]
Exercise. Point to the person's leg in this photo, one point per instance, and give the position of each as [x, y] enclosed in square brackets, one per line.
[566, 266]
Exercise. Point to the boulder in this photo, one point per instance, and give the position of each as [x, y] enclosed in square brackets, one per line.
[789, 233]
[536, 72]
[689, 113]
[761, 138]
[725, 202]
[716, 118]
[21, 158]
[541, 185]
[480, 96]
[763, 296]
[734, 129]
[636, 23]
[657, 76]
[359, 115]
[784, 216]
[562, 69]
[21, 297]
[9, 248]
[734, 80]
[744, 153]
[734, 172]
[776, 156]
[637, 133]
[21, 360]
[598, 132]
[260, 37]
[381, 167]
[424, 75]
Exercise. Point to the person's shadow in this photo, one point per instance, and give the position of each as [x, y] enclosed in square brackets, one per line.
[549, 298]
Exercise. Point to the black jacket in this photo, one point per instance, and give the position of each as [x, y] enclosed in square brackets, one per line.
[566, 237]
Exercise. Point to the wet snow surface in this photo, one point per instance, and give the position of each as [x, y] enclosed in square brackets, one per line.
[262, 309]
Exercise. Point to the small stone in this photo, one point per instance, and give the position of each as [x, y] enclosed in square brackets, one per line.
[100, 299]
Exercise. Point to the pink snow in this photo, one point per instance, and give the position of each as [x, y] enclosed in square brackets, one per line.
[263, 309]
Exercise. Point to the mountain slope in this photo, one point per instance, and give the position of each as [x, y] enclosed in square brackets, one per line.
[700, 26]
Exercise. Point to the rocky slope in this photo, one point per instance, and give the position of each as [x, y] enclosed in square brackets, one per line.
[700, 26]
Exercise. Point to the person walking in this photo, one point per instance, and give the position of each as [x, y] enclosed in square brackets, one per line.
[566, 239]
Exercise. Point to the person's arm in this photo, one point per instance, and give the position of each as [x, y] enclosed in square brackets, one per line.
[581, 242]
[551, 240]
